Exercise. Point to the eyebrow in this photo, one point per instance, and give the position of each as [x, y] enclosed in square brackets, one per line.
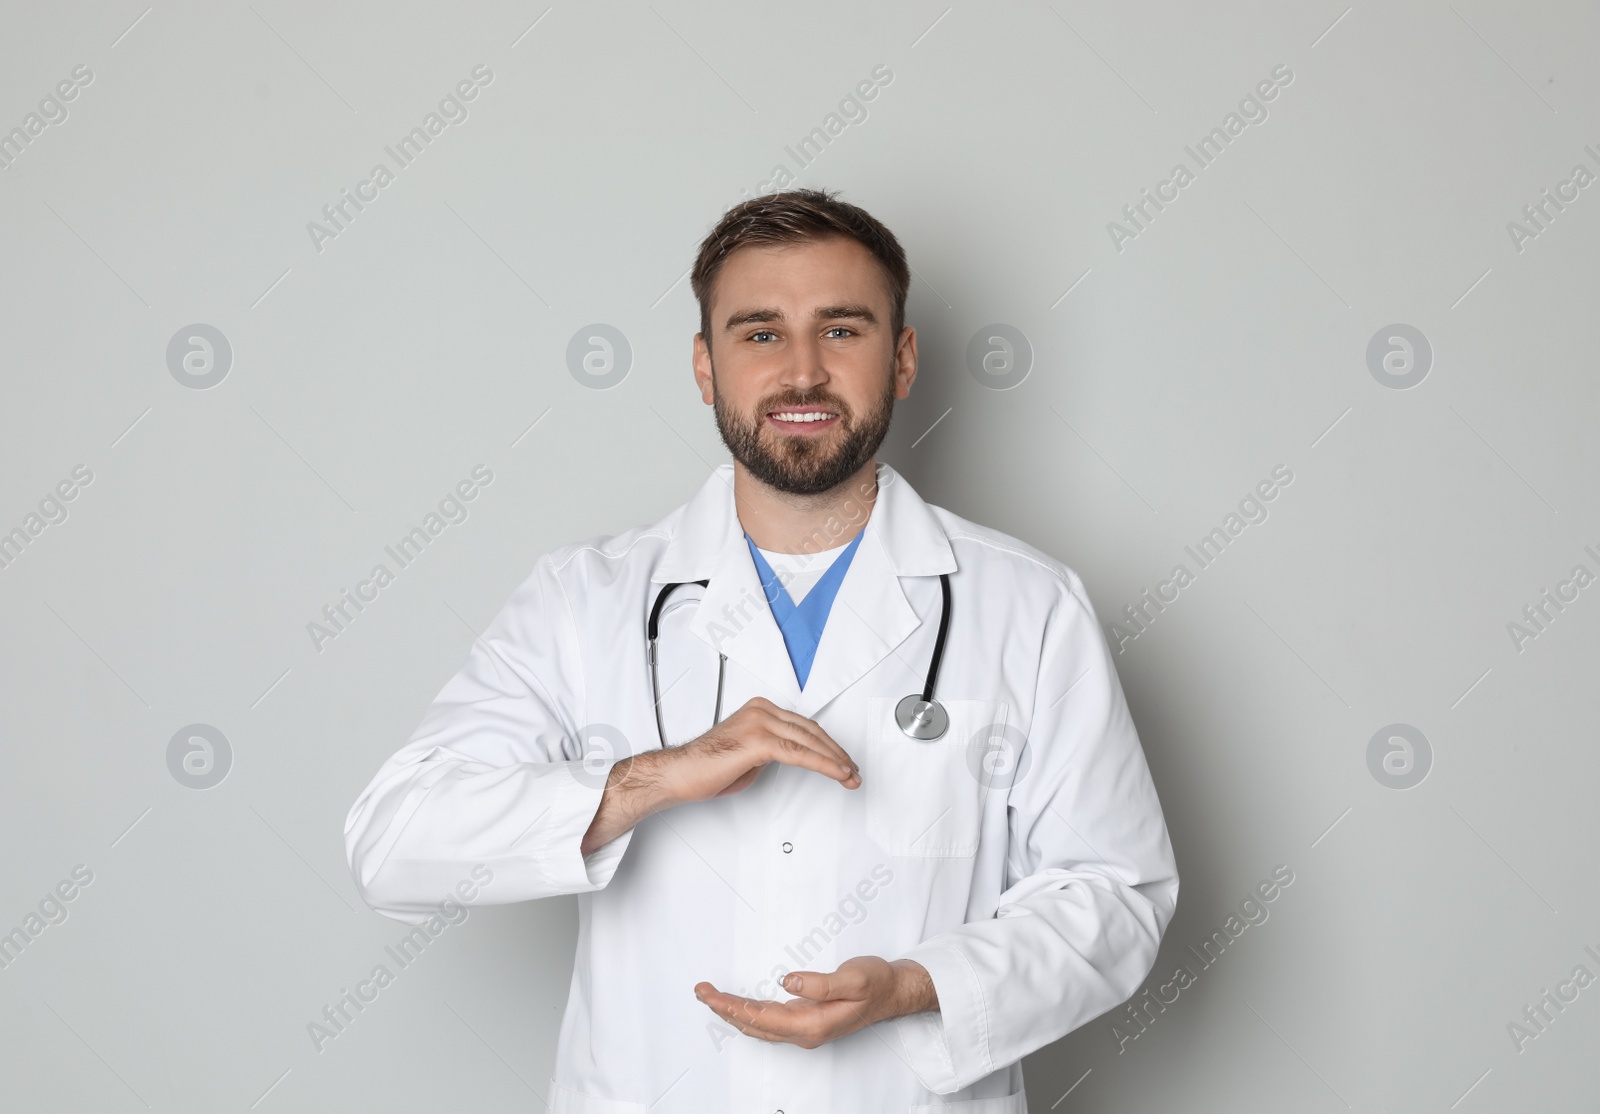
[853, 310]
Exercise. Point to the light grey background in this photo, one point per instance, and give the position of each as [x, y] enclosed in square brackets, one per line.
[1226, 338]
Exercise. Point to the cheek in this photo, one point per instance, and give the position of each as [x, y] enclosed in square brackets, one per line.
[738, 397]
[864, 379]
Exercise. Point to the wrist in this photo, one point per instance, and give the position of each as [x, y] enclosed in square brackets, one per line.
[640, 781]
[628, 796]
[914, 989]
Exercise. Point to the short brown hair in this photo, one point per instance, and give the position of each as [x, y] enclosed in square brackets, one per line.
[793, 217]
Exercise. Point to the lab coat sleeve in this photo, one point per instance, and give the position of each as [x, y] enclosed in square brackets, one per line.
[494, 775]
[1091, 878]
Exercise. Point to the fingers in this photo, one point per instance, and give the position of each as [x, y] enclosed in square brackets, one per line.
[719, 762]
[743, 1014]
[801, 742]
[809, 727]
[805, 1023]
[797, 752]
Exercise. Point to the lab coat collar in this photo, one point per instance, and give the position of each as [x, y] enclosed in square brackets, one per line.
[870, 617]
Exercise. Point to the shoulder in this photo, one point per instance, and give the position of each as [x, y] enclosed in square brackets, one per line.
[1028, 570]
[605, 551]
[606, 558]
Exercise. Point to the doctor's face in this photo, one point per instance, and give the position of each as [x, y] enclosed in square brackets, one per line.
[802, 368]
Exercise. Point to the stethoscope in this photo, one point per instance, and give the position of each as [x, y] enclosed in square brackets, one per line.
[920, 717]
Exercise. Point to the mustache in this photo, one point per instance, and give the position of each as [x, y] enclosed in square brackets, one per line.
[791, 398]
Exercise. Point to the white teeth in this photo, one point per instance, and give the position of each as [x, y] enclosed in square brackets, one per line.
[785, 416]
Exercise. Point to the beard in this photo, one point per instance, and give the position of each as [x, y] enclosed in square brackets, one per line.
[804, 465]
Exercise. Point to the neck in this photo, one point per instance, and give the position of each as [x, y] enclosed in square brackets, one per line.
[783, 523]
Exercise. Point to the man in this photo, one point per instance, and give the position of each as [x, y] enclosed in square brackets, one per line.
[808, 905]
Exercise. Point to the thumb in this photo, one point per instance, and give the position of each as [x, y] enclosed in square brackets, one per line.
[846, 982]
[814, 985]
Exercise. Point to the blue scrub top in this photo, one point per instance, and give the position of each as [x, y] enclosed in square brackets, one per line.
[802, 626]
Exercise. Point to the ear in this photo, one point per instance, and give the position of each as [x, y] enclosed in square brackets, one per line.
[702, 368]
[905, 362]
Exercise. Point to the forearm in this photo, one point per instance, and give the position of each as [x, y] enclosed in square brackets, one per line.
[421, 828]
[634, 789]
[1003, 982]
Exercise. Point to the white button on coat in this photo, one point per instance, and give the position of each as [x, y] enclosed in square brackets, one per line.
[1022, 858]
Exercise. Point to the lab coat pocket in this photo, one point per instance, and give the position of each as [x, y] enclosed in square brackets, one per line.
[564, 1100]
[925, 798]
[1008, 1104]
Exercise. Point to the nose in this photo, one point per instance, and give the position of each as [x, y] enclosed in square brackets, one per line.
[805, 368]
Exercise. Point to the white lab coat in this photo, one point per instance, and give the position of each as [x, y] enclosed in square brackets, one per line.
[1031, 875]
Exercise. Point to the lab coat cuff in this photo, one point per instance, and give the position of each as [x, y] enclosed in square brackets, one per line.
[573, 809]
[948, 1049]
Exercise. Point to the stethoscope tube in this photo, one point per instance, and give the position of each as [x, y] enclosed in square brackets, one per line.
[651, 630]
[919, 717]
[938, 641]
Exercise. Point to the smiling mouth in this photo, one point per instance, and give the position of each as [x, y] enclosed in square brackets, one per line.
[803, 418]
[802, 415]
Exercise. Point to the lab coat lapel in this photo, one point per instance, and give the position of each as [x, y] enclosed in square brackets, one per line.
[870, 617]
[733, 617]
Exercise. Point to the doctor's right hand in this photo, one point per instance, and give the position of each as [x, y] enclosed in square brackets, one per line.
[728, 757]
[724, 760]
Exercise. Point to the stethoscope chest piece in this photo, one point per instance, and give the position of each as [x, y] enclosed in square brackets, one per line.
[921, 719]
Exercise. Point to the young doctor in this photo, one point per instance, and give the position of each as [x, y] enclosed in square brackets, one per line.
[888, 826]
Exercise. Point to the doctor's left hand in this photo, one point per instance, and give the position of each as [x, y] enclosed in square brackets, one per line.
[862, 991]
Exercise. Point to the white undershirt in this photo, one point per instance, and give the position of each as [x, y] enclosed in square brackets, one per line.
[799, 572]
